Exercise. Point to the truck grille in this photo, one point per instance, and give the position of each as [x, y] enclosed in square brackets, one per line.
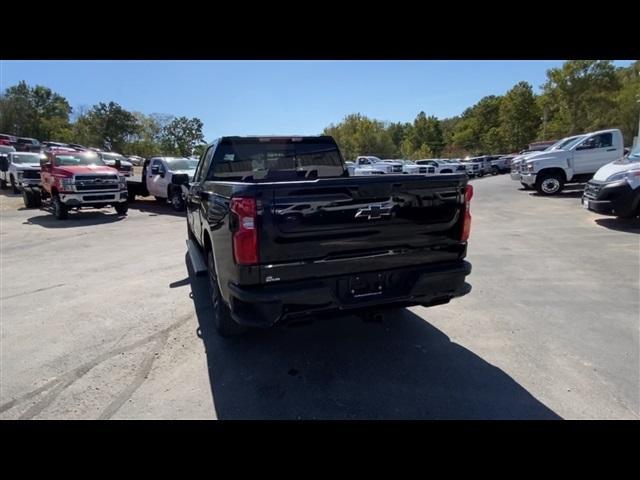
[96, 182]
[591, 190]
[32, 174]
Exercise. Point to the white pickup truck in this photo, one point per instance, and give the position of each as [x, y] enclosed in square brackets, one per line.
[549, 171]
[441, 166]
[166, 178]
[19, 168]
[370, 165]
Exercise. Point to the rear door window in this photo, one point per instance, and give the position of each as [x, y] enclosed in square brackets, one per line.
[276, 159]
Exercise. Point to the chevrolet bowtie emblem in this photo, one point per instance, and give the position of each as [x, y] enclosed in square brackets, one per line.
[374, 212]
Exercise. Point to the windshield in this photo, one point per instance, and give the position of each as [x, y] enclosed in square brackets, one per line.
[26, 158]
[6, 149]
[182, 163]
[565, 143]
[112, 156]
[80, 158]
[277, 159]
[634, 156]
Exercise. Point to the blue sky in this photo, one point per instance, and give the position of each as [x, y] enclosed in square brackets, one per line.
[279, 97]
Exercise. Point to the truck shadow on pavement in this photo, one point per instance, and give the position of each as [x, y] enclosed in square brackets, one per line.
[76, 219]
[343, 368]
[154, 208]
[629, 225]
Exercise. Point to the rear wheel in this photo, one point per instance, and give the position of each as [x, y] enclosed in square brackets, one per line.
[13, 185]
[494, 171]
[60, 210]
[29, 199]
[121, 208]
[177, 202]
[549, 184]
[225, 325]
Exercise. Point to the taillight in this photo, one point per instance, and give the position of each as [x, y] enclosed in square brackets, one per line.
[245, 235]
[466, 223]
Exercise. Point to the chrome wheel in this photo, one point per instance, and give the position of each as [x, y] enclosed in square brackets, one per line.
[550, 185]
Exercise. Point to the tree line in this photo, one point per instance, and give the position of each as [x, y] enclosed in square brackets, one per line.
[40, 113]
[580, 96]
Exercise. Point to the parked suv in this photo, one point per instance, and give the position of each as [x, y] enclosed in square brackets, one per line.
[615, 188]
[549, 172]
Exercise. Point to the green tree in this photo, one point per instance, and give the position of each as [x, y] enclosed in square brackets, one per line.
[627, 110]
[398, 131]
[519, 120]
[110, 125]
[199, 149]
[359, 135]
[579, 96]
[181, 135]
[477, 131]
[36, 112]
[425, 132]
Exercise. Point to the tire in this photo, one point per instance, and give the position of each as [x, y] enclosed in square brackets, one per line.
[225, 325]
[177, 202]
[494, 171]
[13, 185]
[526, 187]
[60, 210]
[29, 199]
[480, 174]
[121, 208]
[549, 184]
[3, 184]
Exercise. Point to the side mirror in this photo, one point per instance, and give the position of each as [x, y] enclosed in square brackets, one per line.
[161, 173]
[155, 169]
[4, 164]
[118, 164]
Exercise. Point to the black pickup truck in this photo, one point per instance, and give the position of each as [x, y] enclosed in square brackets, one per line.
[287, 233]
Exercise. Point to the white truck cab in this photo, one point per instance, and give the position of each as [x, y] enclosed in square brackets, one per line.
[549, 171]
[20, 168]
[166, 178]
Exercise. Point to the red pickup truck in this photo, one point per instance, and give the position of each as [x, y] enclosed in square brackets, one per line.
[73, 179]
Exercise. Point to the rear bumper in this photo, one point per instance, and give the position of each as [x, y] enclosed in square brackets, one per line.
[269, 304]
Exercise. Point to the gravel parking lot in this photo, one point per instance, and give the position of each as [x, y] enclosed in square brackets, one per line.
[101, 318]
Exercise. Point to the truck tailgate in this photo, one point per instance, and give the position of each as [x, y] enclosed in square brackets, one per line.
[346, 225]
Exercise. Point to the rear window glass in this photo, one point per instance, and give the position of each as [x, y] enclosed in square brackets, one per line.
[275, 160]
